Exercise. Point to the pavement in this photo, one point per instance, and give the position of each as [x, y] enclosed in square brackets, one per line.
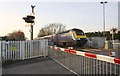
[35, 66]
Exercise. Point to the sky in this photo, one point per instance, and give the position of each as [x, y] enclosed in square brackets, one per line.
[82, 14]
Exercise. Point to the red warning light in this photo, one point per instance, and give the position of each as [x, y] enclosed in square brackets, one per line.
[20, 32]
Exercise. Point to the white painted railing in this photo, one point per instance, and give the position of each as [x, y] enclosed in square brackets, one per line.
[84, 63]
[20, 50]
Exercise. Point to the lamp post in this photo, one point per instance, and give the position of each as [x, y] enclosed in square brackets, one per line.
[104, 19]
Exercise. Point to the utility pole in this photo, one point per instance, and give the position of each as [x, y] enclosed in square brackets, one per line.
[32, 23]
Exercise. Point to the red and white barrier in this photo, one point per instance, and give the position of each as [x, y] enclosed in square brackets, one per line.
[115, 43]
[91, 55]
[111, 53]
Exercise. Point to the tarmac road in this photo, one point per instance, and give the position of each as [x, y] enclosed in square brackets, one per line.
[36, 66]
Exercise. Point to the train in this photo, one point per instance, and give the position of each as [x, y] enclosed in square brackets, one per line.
[70, 38]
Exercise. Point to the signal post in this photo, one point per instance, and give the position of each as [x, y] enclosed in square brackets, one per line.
[30, 19]
[32, 24]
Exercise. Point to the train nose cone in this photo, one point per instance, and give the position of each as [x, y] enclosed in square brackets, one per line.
[80, 42]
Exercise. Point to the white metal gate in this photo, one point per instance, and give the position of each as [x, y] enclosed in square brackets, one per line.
[20, 50]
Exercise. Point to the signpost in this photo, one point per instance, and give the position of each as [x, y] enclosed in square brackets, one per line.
[115, 31]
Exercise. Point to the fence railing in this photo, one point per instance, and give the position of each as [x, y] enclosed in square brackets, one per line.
[20, 50]
[86, 63]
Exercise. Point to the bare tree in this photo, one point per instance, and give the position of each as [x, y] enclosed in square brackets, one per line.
[16, 35]
[50, 29]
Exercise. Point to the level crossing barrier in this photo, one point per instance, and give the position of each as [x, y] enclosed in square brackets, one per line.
[20, 50]
[83, 63]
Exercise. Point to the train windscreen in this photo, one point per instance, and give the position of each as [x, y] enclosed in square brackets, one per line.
[79, 32]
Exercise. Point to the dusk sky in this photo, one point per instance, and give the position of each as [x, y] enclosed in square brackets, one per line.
[74, 14]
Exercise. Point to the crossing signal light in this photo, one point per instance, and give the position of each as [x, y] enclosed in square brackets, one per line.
[20, 33]
[29, 19]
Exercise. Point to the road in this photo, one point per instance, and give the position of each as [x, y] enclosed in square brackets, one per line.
[36, 66]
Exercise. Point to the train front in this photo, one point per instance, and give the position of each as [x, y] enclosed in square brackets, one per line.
[80, 38]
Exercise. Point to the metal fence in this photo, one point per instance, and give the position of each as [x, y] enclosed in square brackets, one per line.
[83, 65]
[98, 42]
[20, 50]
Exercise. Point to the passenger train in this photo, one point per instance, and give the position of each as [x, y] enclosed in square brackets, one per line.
[70, 38]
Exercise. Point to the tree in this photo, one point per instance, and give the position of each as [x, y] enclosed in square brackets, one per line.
[94, 34]
[100, 34]
[16, 35]
[118, 35]
[50, 29]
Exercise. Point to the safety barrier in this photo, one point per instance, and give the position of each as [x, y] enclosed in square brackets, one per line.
[20, 50]
[86, 63]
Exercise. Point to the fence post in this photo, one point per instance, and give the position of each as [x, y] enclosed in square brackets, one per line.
[40, 48]
[20, 50]
[0, 58]
[23, 49]
[30, 49]
[0, 50]
[46, 47]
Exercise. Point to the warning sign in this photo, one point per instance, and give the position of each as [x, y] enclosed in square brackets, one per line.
[13, 48]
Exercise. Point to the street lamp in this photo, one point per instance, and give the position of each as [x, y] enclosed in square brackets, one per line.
[104, 19]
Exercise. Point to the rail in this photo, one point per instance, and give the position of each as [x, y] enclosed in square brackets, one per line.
[83, 63]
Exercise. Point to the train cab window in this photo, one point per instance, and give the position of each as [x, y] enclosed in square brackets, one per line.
[79, 32]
